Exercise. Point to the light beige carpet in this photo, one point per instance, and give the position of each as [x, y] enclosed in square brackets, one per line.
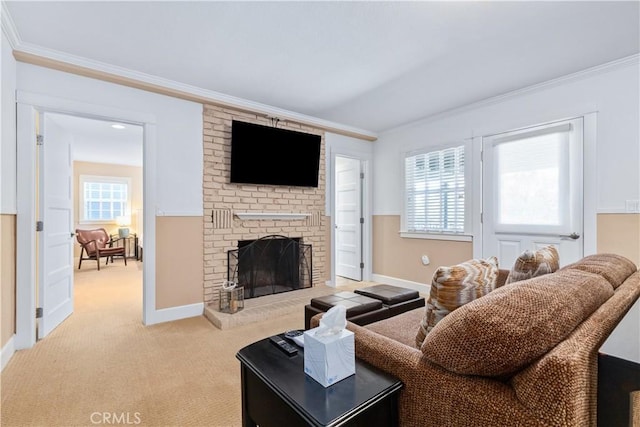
[103, 360]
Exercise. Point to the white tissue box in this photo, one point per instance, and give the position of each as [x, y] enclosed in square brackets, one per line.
[329, 359]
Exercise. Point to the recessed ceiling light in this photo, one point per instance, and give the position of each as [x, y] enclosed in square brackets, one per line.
[117, 126]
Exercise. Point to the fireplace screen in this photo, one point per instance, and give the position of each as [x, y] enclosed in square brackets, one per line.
[270, 265]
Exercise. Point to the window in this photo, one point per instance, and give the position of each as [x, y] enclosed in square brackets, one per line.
[103, 199]
[534, 176]
[435, 191]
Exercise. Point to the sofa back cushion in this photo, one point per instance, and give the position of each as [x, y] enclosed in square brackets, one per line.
[514, 325]
[614, 268]
[534, 263]
[455, 286]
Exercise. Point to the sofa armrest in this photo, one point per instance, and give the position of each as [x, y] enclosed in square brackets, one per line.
[564, 381]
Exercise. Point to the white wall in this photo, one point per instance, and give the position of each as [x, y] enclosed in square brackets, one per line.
[347, 143]
[345, 146]
[624, 342]
[8, 130]
[179, 156]
[614, 94]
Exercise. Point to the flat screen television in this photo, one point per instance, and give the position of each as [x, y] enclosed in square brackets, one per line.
[269, 155]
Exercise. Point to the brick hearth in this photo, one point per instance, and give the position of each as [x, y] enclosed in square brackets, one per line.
[270, 306]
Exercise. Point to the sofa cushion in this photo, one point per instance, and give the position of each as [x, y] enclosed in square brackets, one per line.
[401, 328]
[534, 263]
[453, 287]
[614, 268]
[514, 325]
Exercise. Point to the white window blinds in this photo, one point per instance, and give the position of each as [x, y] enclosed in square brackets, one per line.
[435, 191]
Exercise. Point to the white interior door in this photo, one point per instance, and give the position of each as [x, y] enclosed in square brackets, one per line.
[533, 192]
[348, 227]
[55, 241]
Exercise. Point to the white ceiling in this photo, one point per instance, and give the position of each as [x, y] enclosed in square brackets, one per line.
[371, 65]
[96, 141]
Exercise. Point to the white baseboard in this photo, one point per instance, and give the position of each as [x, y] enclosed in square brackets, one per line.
[330, 284]
[176, 313]
[417, 286]
[6, 353]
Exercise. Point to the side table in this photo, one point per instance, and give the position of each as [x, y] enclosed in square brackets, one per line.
[276, 392]
[129, 242]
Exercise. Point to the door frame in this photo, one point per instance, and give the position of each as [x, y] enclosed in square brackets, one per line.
[367, 209]
[27, 104]
[589, 179]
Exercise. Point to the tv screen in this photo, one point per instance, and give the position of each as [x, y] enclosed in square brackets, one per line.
[269, 155]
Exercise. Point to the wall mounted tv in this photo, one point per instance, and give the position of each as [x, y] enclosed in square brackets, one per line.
[269, 155]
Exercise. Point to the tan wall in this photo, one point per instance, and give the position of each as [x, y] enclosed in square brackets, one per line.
[620, 234]
[179, 262]
[7, 277]
[222, 229]
[400, 258]
[105, 169]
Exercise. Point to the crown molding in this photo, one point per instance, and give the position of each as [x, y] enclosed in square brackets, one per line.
[579, 75]
[8, 26]
[37, 55]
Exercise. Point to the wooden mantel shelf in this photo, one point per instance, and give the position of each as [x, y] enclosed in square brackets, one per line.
[245, 216]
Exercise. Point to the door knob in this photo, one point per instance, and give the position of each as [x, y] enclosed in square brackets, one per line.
[572, 236]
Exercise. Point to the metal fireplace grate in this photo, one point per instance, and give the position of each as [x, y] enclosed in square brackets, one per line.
[270, 265]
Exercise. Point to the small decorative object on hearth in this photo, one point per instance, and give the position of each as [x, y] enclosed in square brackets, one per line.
[231, 297]
[227, 285]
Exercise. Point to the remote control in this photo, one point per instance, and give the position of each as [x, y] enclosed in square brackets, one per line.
[286, 348]
[292, 334]
[295, 336]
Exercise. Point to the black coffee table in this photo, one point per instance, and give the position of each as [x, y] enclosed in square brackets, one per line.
[277, 392]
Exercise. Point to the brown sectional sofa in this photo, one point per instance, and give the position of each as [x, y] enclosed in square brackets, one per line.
[524, 355]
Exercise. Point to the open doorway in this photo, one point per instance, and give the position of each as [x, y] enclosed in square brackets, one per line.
[90, 178]
[29, 106]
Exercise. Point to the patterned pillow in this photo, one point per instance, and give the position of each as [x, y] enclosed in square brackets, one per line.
[454, 286]
[533, 264]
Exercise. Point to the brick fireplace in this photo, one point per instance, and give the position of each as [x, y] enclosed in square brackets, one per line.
[244, 212]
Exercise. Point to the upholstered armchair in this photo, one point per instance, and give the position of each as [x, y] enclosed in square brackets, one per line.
[97, 244]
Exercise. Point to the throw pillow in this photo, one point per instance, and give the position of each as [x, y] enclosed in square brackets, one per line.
[503, 332]
[454, 286]
[533, 264]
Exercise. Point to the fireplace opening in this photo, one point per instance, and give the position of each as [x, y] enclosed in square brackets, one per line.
[270, 265]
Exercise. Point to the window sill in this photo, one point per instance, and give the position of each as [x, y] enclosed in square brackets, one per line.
[435, 236]
[97, 222]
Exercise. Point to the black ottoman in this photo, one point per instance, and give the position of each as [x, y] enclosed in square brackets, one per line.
[361, 309]
[396, 299]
